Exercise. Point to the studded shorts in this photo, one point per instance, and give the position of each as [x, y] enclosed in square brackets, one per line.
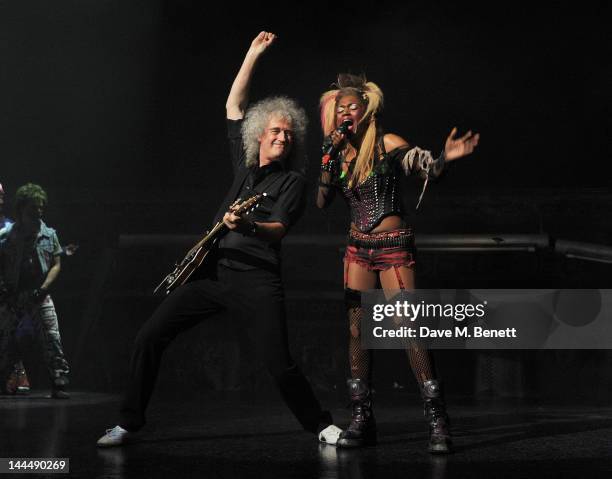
[381, 251]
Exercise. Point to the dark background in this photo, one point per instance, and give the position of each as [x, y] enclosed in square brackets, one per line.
[117, 109]
[105, 98]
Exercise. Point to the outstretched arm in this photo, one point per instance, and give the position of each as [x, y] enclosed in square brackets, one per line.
[420, 162]
[238, 97]
[457, 147]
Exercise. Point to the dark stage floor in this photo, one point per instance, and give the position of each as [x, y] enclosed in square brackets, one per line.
[227, 436]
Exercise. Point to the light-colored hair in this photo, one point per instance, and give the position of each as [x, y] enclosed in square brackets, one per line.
[372, 97]
[256, 120]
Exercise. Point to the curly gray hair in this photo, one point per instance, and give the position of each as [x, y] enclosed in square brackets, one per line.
[256, 120]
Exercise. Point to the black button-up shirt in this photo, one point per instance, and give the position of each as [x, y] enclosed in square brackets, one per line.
[284, 203]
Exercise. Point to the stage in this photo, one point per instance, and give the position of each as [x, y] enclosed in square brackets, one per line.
[118, 110]
[228, 436]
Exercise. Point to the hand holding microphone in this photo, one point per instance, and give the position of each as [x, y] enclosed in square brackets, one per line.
[332, 144]
[336, 138]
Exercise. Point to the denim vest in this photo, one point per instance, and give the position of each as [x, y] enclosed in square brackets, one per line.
[11, 252]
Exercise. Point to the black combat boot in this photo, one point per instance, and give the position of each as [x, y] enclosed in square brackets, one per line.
[435, 412]
[362, 429]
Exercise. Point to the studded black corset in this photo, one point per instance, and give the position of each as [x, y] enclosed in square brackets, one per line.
[379, 195]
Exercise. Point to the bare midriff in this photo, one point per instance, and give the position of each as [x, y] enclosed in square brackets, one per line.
[389, 223]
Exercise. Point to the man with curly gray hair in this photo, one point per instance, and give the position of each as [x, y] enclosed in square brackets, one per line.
[266, 147]
[256, 121]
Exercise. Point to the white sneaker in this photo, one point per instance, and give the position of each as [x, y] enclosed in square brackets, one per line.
[114, 437]
[330, 435]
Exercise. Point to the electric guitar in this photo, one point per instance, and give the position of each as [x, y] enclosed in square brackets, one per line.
[197, 255]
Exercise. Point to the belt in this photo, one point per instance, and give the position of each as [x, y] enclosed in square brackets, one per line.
[401, 238]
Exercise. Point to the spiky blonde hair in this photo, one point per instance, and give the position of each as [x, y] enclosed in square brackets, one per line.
[372, 97]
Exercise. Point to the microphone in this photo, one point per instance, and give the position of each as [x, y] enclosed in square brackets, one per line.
[331, 150]
[343, 128]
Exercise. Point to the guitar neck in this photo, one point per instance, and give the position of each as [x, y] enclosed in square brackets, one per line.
[216, 231]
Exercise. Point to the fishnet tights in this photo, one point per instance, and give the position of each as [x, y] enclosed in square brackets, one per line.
[359, 359]
[421, 360]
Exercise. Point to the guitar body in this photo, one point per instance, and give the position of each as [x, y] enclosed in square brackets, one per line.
[185, 269]
[198, 255]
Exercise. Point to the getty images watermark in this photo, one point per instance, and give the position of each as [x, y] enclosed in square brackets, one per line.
[488, 319]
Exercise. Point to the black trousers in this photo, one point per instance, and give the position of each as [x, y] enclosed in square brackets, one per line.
[255, 295]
